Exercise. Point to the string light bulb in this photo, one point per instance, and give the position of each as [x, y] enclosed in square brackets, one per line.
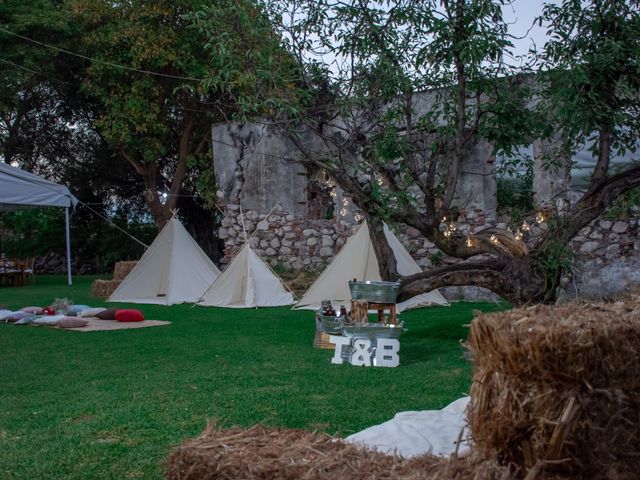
[525, 226]
[494, 239]
[539, 217]
[518, 235]
[469, 242]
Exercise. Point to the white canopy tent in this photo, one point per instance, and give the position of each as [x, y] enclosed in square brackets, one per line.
[247, 282]
[21, 190]
[174, 269]
[357, 259]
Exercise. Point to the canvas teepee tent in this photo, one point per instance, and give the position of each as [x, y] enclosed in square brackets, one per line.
[174, 269]
[357, 259]
[247, 282]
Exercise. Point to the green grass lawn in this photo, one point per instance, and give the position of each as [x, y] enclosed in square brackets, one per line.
[111, 404]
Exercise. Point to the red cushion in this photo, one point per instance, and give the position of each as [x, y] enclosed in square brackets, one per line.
[129, 316]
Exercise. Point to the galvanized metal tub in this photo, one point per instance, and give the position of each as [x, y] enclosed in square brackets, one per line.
[372, 331]
[377, 292]
[330, 325]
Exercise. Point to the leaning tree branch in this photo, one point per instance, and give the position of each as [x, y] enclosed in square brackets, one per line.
[487, 274]
[590, 206]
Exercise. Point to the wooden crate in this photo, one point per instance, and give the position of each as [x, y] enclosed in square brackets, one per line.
[321, 340]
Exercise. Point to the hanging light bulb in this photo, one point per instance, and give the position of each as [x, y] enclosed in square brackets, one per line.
[494, 239]
[525, 226]
[539, 217]
[469, 242]
[518, 235]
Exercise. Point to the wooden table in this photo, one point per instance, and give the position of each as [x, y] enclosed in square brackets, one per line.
[360, 309]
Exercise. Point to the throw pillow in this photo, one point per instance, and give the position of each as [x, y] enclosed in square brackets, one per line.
[129, 316]
[72, 322]
[91, 312]
[107, 314]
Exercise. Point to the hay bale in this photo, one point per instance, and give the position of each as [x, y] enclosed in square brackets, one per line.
[556, 390]
[273, 453]
[103, 288]
[122, 269]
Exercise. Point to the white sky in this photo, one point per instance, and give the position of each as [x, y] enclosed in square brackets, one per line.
[520, 16]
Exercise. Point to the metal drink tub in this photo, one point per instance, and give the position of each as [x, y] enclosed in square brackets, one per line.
[330, 325]
[372, 331]
[375, 292]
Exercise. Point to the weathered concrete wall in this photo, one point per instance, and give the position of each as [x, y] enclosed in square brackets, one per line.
[256, 167]
[476, 188]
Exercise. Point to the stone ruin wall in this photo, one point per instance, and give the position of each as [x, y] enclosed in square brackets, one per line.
[607, 251]
[285, 213]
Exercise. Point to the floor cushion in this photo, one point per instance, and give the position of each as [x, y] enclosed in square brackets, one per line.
[72, 322]
[26, 320]
[16, 316]
[129, 316]
[91, 312]
[33, 310]
[107, 314]
[75, 310]
[51, 320]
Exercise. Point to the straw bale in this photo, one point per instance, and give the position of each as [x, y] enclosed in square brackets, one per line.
[122, 269]
[556, 390]
[286, 454]
[103, 288]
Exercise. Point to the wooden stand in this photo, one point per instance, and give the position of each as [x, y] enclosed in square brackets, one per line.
[321, 340]
[360, 310]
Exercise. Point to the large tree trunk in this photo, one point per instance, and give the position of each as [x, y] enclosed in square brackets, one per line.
[386, 259]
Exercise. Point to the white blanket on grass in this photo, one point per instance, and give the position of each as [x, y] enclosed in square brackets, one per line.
[411, 434]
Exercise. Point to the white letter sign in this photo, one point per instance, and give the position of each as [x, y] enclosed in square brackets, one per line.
[339, 342]
[387, 352]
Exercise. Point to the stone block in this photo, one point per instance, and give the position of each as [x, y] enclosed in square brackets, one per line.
[326, 252]
[312, 241]
[254, 242]
[226, 222]
[275, 243]
[612, 251]
[619, 227]
[605, 224]
[290, 235]
[309, 232]
[327, 241]
[270, 252]
[263, 225]
[264, 244]
[285, 251]
[589, 247]
[287, 243]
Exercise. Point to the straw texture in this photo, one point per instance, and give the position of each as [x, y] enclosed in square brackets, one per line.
[285, 454]
[556, 390]
[104, 288]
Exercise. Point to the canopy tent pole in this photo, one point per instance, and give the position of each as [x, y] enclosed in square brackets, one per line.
[66, 221]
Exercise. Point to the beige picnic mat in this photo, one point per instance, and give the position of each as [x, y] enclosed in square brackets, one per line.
[95, 324]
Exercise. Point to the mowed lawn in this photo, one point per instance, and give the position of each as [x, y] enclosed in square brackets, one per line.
[111, 404]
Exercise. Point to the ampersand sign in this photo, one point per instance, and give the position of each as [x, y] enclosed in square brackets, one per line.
[361, 355]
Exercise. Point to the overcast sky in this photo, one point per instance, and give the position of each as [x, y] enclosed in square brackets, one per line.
[520, 15]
